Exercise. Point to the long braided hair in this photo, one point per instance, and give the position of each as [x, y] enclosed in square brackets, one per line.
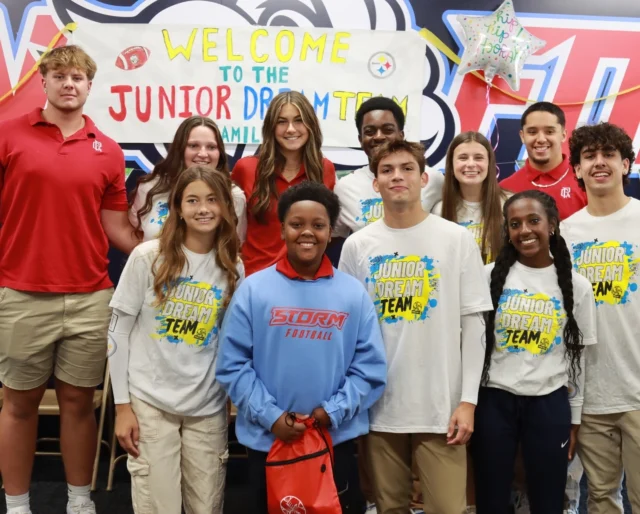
[561, 259]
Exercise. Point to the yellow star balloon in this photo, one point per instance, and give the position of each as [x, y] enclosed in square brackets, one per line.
[498, 44]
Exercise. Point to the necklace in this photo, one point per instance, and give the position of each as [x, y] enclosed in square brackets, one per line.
[543, 186]
[471, 207]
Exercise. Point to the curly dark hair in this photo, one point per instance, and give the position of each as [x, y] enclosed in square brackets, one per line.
[379, 103]
[603, 136]
[562, 260]
[310, 191]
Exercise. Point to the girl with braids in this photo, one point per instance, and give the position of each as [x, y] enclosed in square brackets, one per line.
[544, 316]
[471, 196]
[196, 142]
[289, 154]
[171, 415]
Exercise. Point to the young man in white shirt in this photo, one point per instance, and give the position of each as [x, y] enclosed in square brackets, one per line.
[378, 120]
[604, 241]
[425, 275]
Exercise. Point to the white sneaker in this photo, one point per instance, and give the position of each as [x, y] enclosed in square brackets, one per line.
[416, 511]
[81, 506]
[522, 504]
[19, 510]
[371, 508]
[471, 509]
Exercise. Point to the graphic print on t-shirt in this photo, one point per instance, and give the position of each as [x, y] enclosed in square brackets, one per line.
[190, 313]
[531, 322]
[405, 286]
[475, 227]
[305, 323]
[610, 266]
[371, 210]
[162, 210]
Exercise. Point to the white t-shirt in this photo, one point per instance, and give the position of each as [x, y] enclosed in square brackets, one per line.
[422, 280]
[606, 250]
[469, 216]
[152, 222]
[173, 347]
[360, 205]
[529, 355]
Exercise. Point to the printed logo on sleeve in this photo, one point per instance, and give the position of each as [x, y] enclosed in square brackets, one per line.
[190, 313]
[530, 322]
[405, 287]
[370, 211]
[610, 266]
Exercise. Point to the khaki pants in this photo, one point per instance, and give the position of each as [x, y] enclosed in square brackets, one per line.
[609, 444]
[182, 459]
[441, 469]
[364, 475]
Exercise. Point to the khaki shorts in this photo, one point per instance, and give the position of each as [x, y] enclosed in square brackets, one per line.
[41, 333]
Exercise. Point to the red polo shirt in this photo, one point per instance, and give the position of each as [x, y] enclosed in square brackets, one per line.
[560, 183]
[283, 265]
[51, 193]
[263, 239]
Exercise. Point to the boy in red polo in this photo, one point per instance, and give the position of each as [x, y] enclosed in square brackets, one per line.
[62, 199]
[547, 169]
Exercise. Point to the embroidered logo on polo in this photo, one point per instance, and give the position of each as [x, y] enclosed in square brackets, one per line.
[530, 322]
[308, 323]
[370, 210]
[611, 267]
[97, 145]
[190, 313]
[405, 286]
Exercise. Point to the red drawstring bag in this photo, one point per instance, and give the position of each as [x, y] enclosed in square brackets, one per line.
[300, 474]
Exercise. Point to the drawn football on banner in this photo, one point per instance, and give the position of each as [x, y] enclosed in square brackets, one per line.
[133, 57]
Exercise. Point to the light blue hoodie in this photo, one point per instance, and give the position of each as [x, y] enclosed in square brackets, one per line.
[291, 345]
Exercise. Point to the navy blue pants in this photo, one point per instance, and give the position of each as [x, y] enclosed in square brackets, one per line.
[541, 425]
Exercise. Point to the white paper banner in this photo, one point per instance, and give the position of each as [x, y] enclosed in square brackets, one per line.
[151, 77]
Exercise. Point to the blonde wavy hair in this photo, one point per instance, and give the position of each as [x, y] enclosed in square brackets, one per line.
[68, 57]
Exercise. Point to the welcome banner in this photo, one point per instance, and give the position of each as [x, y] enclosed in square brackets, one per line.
[151, 77]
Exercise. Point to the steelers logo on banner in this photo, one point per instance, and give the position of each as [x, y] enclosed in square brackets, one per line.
[382, 65]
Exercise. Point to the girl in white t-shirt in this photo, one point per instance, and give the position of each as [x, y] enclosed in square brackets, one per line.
[544, 316]
[471, 196]
[171, 415]
[197, 141]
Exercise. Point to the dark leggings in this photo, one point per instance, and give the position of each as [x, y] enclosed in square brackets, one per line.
[541, 425]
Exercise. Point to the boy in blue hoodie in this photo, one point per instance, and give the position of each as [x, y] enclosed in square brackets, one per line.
[302, 337]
